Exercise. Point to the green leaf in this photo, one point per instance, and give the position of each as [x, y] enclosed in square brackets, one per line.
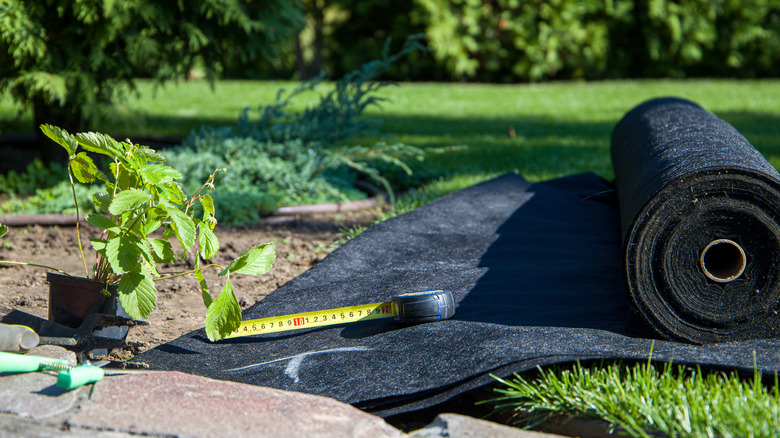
[104, 223]
[126, 178]
[102, 200]
[99, 245]
[122, 254]
[208, 207]
[204, 288]
[84, 168]
[147, 255]
[128, 200]
[137, 293]
[156, 174]
[175, 193]
[224, 314]
[136, 226]
[151, 226]
[163, 250]
[209, 244]
[61, 137]
[254, 261]
[100, 143]
[154, 218]
[182, 226]
[148, 154]
[3, 230]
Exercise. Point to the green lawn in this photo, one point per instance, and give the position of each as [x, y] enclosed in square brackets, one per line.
[560, 128]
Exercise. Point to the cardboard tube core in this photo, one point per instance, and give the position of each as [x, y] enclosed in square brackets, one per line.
[723, 260]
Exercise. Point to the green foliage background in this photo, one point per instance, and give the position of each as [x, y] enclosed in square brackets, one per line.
[67, 60]
[532, 40]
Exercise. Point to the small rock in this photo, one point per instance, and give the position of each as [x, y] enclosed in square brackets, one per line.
[461, 426]
[55, 352]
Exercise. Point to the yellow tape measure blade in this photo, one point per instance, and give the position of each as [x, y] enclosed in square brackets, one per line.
[319, 318]
[411, 308]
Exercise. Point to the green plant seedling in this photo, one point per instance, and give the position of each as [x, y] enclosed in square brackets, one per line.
[142, 209]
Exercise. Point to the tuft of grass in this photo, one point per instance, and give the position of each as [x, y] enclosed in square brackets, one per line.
[350, 233]
[346, 234]
[645, 399]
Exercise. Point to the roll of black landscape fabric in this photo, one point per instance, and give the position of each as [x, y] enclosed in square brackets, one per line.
[700, 219]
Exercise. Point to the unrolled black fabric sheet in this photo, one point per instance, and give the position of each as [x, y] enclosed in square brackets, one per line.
[537, 273]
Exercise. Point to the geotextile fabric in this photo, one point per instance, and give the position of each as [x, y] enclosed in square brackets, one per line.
[537, 274]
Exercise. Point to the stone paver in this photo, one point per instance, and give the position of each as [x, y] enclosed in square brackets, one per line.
[36, 396]
[173, 404]
[12, 426]
[184, 405]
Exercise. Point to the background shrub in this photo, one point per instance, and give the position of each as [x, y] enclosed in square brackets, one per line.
[511, 40]
[55, 199]
[69, 61]
[260, 176]
[283, 158]
[37, 175]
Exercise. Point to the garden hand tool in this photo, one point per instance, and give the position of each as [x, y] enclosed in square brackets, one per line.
[68, 376]
[15, 338]
[80, 339]
[26, 363]
[94, 371]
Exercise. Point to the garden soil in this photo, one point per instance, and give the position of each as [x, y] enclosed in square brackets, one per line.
[301, 242]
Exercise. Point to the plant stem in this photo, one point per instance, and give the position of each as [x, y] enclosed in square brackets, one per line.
[183, 273]
[78, 221]
[196, 196]
[9, 262]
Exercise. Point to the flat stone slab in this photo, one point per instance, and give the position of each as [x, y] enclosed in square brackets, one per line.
[17, 427]
[178, 404]
[175, 404]
[37, 396]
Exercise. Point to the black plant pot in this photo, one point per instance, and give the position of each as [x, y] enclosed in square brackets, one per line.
[71, 299]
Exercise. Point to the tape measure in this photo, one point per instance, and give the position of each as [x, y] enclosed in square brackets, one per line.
[409, 308]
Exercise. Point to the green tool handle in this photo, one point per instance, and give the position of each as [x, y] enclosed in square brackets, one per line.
[79, 376]
[16, 338]
[23, 363]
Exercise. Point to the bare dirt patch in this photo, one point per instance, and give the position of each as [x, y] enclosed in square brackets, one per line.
[301, 242]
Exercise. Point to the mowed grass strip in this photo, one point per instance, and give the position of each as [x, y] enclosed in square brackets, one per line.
[643, 399]
[471, 132]
[559, 128]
